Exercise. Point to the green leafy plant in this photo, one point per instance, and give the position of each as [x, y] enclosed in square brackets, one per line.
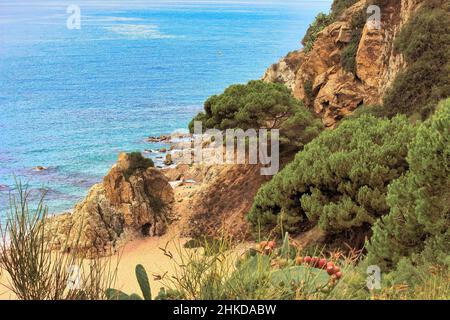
[144, 284]
[321, 21]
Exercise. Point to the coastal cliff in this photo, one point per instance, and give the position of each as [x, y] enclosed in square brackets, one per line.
[320, 78]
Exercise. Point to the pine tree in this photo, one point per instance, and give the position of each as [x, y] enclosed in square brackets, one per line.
[339, 180]
[418, 225]
[257, 105]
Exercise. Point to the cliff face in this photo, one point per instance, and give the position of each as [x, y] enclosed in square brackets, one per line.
[318, 77]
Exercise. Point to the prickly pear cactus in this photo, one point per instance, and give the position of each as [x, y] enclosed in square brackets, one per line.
[144, 284]
[300, 275]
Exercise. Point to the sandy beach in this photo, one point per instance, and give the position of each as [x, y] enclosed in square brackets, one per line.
[145, 251]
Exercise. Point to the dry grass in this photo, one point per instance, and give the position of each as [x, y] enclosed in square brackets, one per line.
[33, 271]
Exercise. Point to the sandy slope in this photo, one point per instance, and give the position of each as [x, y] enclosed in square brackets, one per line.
[148, 253]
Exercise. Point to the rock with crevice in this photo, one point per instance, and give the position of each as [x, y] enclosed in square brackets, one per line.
[122, 207]
[337, 92]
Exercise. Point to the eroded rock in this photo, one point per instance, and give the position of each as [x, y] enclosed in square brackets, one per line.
[320, 80]
[123, 206]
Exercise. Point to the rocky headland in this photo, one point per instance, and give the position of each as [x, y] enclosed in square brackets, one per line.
[210, 199]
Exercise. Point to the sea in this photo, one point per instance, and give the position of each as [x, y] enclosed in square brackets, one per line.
[81, 81]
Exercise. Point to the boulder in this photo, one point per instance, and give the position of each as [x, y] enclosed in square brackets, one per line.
[124, 206]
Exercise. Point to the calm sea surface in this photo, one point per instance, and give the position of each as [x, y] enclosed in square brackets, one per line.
[71, 100]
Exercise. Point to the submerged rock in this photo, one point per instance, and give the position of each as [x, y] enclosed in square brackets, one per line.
[127, 204]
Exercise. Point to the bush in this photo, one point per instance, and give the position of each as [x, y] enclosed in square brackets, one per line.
[309, 93]
[138, 161]
[339, 180]
[321, 22]
[348, 55]
[338, 6]
[259, 105]
[418, 225]
[425, 43]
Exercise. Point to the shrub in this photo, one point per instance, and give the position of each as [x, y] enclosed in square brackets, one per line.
[338, 6]
[309, 93]
[348, 55]
[418, 225]
[138, 161]
[425, 43]
[339, 180]
[321, 22]
[260, 105]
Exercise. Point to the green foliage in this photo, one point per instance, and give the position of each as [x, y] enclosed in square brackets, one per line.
[142, 278]
[348, 55]
[33, 269]
[259, 105]
[338, 6]
[308, 87]
[425, 43]
[316, 278]
[339, 180]
[418, 225]
[144, 284]
[137, 161]
[321, 22]
[169, 294]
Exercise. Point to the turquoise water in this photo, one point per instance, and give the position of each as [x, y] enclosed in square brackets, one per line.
[71, 100]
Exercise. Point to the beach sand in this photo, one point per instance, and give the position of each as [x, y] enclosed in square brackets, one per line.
[145, 251]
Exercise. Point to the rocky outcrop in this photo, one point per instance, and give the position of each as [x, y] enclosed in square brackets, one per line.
[318, 78]
[213, 199]
[126, 204]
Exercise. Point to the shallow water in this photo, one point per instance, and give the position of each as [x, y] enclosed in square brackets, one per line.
[71, 100]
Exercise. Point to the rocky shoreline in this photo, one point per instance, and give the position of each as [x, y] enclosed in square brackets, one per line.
[135, 201]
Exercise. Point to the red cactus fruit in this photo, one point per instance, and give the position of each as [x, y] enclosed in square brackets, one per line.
[307, 259]
[322, 263]
[330, 270]
[338, 275]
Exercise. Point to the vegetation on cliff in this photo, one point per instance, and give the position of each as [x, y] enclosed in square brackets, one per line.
[339, 181]
[137, 161]
[425, 43]
[418, 224]
[323, 20]
[257, 105]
